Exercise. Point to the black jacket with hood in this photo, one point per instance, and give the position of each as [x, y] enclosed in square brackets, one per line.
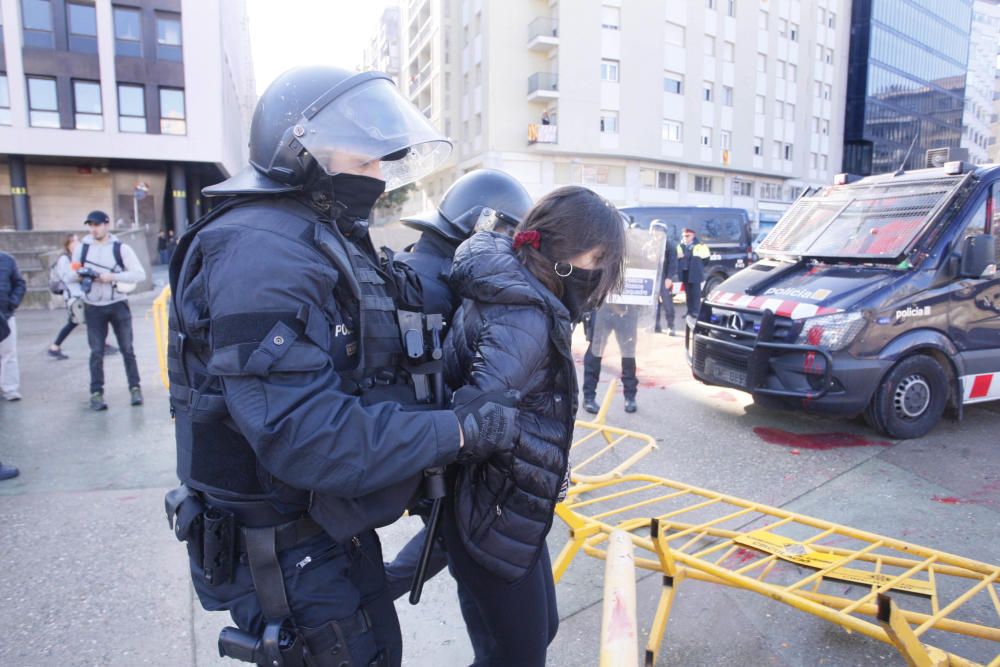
[511, 333]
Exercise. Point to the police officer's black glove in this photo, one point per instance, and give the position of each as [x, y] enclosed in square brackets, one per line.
[487, 420]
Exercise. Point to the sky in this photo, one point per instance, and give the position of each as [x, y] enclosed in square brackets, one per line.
[288, 33]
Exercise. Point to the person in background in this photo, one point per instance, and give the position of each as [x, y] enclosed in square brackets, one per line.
[103, 261]
[71, 292]
[12, 289]
[665, 303]
[622, 320]
[162, 247]
[691, 256]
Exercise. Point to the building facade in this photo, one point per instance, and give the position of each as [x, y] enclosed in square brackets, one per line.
[984, 45]
[383, 52]
[715, 102]
[907, 82]
[128, 106]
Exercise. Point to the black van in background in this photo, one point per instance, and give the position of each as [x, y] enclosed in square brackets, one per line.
[878, 296]
[726, 232]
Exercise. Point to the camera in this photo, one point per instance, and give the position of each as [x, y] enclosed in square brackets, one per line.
[87, 276]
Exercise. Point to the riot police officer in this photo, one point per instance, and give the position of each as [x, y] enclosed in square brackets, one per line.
[298, 419]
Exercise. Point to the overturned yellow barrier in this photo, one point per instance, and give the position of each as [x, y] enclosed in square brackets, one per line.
[619, 630]
[598, 451]
[912, 597]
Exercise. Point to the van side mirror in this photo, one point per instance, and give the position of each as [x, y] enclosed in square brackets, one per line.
[978, 256]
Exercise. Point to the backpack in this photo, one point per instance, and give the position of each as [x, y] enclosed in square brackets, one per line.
[116, 249]
[56, 285]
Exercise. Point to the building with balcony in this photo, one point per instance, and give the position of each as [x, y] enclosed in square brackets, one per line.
[383, 52]
[128, 106]
[984, 44]
[721, 102]
[906, 87]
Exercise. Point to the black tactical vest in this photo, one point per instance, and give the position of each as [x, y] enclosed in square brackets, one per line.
[212, 455]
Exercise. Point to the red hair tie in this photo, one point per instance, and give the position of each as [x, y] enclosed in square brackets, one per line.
[532, 238]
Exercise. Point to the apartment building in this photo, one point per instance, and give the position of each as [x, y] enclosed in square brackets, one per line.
[716, 102]
[129, 106]
[383, 51]
[984, 44]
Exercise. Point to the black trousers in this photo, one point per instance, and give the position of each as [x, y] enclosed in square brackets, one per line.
[324, 581]
[399, 576]
[521, 617]
[665, 305]
[592, 375]
[119, 317]
[65, 332]
[692, 292]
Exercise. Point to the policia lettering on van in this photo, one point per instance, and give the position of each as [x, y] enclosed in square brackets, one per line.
[878, 296]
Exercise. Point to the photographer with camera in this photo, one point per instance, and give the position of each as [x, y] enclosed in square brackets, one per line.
[107, 270]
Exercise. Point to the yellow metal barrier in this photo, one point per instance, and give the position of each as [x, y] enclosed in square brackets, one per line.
[591, 452]
[619, 630]
[160, 331]
[896, 592]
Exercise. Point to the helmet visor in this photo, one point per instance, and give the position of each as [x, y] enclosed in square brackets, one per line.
[365, 125]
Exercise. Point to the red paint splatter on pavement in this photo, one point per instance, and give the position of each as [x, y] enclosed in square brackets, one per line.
[820, 441]
[723, 396]
[744, 555]
[947, 500]
[128, 497]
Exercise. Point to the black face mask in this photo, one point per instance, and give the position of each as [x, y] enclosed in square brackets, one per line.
[356, 195]
[578, 290]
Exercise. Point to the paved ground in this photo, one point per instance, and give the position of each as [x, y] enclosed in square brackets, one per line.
[92, 576]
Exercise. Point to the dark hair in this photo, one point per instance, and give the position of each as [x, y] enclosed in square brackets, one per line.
[571, 221]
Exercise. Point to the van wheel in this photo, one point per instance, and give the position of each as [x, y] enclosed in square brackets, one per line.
[713, 282]
[911, 398]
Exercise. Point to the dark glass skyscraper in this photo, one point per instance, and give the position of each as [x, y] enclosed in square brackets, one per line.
[906, 80]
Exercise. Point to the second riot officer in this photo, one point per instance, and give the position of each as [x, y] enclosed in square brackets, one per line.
[299, 421]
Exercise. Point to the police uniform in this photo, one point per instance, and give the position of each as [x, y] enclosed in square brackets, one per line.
[300, 423]
[691, 271]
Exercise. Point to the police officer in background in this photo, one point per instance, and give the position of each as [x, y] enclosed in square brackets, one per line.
[691, 256]
[299, 428]
[483, 199]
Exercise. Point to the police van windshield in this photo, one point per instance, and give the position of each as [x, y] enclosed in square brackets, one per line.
[874, 221]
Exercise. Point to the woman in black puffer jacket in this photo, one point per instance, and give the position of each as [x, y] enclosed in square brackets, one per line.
[520, 298]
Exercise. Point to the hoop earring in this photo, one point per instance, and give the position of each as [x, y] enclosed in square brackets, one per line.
[555, 268]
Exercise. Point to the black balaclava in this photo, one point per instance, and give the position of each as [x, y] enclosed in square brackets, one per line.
[355, 195]
[578, 289]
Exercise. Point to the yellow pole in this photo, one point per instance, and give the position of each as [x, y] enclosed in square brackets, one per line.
[619, 631]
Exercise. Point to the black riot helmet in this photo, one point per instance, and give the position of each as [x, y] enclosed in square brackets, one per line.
[339, 122]
[481, 199]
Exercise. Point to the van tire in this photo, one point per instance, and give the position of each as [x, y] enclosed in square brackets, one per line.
[910, 399]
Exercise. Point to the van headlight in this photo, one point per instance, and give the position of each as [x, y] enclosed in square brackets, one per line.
[834, 332]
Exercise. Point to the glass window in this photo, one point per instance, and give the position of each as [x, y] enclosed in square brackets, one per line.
[758, 146]
[611, 17]
[727, 96]
[709, 4]
[706, 136]
[36, 16]
[609, 122]
[173, 119]
[4, 101]
[708, 91]
[168, 37]
[131, 108]
[742, 188]
[87, 105]
[673, 83]
[672, 131]
[666, 180]
[782, 27]
[609, 70]
[43, 102]
[788, 151]
[674, 34]
[128, 32]
[728, 52]
[725, 139]
[82, 24]
[703, 183]
[793, 32]
[730, 7]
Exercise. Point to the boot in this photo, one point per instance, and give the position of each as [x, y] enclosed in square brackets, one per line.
[590, 405]
[136, 395]
[8, 472]
[97, 401]
[630, 405]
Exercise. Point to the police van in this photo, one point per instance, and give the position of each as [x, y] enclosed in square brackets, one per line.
[877, 296]
[726, 232]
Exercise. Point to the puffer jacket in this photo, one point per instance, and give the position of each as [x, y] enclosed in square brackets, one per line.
[12, 285]
[511, 333]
